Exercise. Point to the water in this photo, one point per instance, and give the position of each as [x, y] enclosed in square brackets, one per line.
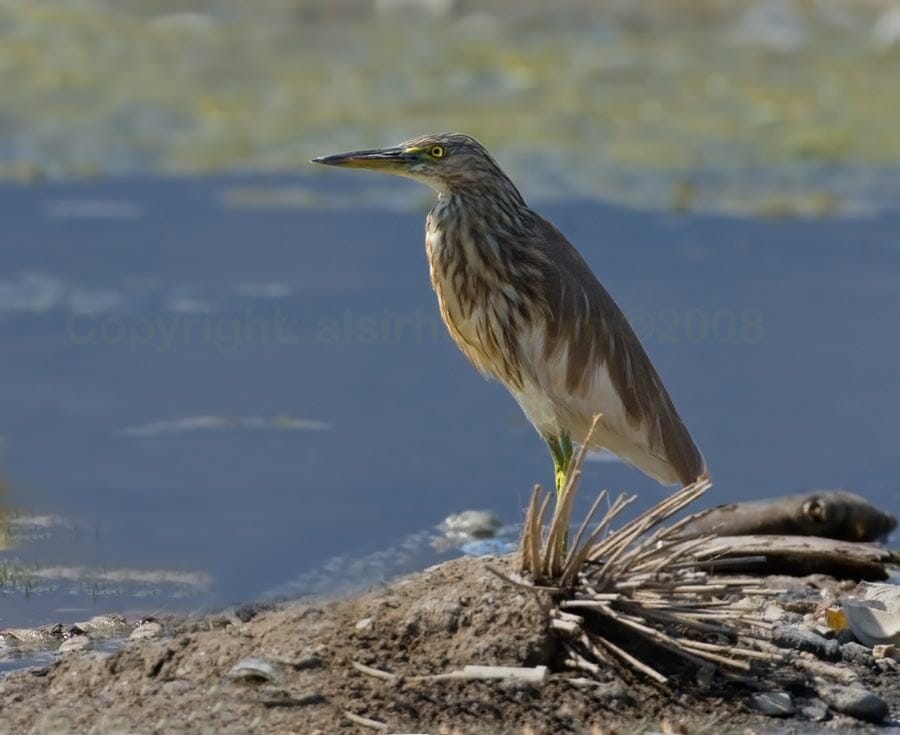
[247, 393]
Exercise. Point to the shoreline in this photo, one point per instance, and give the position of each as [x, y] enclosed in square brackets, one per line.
[295, 667]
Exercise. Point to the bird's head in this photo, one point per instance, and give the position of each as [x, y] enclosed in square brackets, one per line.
[446, 162]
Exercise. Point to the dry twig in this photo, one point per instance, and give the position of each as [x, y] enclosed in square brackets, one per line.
[365, 721]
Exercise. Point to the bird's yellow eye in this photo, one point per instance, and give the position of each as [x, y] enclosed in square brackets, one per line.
[437, 151]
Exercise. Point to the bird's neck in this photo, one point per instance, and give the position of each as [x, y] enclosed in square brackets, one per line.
[483, 264]
[478, 237]
[502, 210]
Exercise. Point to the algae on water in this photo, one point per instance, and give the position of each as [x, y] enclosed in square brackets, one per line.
[773, 108]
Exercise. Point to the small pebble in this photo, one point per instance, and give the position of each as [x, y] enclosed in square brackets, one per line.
[363, 623]
[254, 670]
[815, 710]
[145, 631]
[855, 701]
[854, 653]
[102, 625]
[471, 524]
[773, 704]
[75, 644]
[773, 613]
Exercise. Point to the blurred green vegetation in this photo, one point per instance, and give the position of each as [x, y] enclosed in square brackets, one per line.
[767, 106]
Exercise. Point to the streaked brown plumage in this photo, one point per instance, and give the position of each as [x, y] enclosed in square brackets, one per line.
[525, 308]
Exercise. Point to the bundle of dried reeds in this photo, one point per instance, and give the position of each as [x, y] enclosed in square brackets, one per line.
[636, 584]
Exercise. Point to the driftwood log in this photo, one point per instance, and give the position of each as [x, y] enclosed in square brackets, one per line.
[833, 514]
[793, 555]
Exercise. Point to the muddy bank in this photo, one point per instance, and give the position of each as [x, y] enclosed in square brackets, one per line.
[193, 675]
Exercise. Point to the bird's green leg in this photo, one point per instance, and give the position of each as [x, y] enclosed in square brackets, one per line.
[562, 472]
[556, 454]
[561, 451]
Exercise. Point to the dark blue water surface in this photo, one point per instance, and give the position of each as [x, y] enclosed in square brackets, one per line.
[343, 417]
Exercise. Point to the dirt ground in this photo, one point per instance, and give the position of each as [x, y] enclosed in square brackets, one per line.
[435, 621]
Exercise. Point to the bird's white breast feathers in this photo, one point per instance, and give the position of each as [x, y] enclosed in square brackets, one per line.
[552, 407]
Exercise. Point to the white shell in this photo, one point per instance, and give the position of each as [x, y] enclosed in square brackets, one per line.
[875, 619]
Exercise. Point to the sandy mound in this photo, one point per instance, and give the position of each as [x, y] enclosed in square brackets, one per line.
[303, 679]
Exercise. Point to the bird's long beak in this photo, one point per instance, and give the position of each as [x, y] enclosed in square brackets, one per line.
[382, 158]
